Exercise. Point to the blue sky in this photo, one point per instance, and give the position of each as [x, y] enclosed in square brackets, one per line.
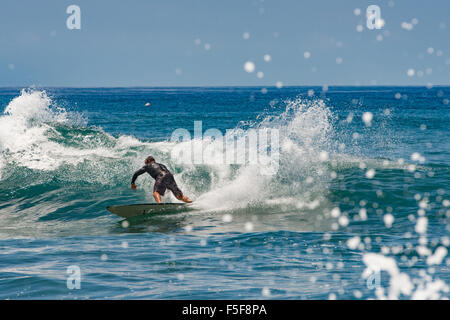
[153, 43]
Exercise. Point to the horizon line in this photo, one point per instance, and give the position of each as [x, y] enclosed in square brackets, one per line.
[221, 86]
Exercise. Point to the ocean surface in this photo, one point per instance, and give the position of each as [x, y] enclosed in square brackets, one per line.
[358, 205]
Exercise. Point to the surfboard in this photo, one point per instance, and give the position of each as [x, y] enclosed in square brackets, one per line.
[136, 210]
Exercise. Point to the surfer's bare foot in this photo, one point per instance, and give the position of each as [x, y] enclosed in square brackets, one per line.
[157, 197]
[185, 199]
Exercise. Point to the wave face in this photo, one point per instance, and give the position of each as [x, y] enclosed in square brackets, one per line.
[66, 154]
[57, 168]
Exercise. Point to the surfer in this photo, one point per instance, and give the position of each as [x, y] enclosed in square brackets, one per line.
[163, 180]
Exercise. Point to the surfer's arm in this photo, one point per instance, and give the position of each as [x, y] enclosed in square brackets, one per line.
[135, 175]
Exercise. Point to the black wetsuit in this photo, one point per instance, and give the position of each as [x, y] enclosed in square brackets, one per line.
[163, 178]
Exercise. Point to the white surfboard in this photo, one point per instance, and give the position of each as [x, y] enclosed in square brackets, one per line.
[136, 210]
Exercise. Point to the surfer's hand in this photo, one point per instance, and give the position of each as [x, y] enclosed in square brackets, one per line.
[133, 186]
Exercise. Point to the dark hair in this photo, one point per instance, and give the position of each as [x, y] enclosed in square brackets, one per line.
[149, 159]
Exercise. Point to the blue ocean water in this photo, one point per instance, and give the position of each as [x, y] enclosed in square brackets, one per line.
[358, 208]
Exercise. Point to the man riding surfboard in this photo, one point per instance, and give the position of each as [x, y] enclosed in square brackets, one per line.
[163, 180]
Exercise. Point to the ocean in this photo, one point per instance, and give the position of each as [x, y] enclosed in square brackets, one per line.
[357, 205]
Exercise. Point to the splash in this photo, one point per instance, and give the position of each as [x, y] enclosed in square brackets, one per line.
[400, 283]
[38, 135]
[304, 132]
[25, 127]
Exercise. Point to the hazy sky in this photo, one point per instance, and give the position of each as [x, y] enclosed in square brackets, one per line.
[166, 42]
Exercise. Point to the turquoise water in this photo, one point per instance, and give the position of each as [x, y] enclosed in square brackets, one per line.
[358, 207]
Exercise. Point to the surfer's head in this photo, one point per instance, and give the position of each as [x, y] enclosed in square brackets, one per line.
[149, 159]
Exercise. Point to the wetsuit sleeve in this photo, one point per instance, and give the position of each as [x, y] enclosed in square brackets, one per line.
[137, 174]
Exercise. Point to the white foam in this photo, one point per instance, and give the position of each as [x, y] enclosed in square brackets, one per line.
[304, 132]
[29, 138]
